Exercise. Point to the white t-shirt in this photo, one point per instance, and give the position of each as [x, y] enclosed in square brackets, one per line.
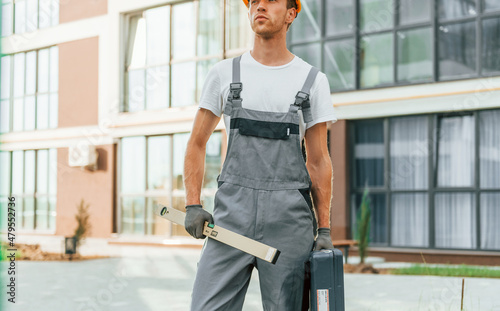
[267, 88]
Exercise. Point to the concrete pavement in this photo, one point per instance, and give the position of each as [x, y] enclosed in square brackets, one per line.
[155, 278]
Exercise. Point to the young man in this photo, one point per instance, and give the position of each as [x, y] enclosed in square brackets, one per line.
[264, 184]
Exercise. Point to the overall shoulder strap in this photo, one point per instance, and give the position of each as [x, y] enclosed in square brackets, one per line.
[302, 97]
[235, 88]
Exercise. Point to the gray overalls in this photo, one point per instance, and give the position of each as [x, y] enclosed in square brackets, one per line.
[263, 194]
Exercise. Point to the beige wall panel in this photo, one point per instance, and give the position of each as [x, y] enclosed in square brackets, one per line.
[78, 82]
[72, 10]
[340, 202]
[96, 188]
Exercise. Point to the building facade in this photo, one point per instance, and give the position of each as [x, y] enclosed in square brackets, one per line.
[416, 88]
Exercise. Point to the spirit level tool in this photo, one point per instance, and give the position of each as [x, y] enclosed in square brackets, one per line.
[252, 247]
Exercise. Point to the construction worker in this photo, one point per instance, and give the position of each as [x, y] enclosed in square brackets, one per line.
[270, 100]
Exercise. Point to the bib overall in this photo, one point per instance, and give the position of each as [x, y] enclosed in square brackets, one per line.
[263, 194]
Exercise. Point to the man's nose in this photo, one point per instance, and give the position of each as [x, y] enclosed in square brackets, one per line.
[261, 6]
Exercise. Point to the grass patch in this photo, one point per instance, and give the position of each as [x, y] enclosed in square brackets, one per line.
[460, 271]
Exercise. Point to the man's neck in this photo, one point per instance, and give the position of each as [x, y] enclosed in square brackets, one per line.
[271, 51]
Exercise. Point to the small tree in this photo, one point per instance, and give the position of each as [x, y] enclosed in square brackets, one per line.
[363, 226]
[82, 218]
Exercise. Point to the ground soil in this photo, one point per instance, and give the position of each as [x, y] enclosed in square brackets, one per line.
[35, 253]
[364, 268]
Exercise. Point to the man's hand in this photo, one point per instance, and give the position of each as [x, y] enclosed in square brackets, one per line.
[323, 241]
[195, 220]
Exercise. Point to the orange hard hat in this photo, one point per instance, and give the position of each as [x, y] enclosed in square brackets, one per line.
[296, 1]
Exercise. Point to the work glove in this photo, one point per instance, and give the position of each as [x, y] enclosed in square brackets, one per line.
[195, 220]
[323, 241]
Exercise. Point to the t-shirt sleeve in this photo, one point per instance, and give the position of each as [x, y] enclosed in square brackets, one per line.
[321, 103]
[211, 97]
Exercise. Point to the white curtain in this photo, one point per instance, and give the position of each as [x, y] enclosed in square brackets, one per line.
[455, 220]
[456, 152]
[489, 152]
[410, 220]
[490, 221]
[409, 153]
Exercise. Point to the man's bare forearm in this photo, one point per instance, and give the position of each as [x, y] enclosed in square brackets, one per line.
[194, 161]
[194, 168]
[321, 190]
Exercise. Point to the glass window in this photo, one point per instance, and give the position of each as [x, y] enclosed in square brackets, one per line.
[7, 19]
[133, 165]
[4, 116]
[159, 161]
[307, 25]
[202, 72]
[42, 173]
[378, 224]
[157, 35]
[32, 15]
[237, 26]
[157, 87]
[29, 113]
[377, 60]
[453, 9]
[163, 166]
[489, 148]
[53, 110]
[31, 72]
[28, 213]
[5, 176]
[490, 218]
[18, 115]
[455, 220]
[29, 171]
[415, 55]
[457, 50]
[410, 220]
[340, 17]
[376, 15]
[132, 215]
[20, 16]
[42, 121]
[411, 11]
[311, 53]
[183, 84]
[455, 166]
[491, 5]
[184, 31]
[136, 90]
[369, 153]
[180, 144]
[491, 45]
[209, 28]
[5, 77]
[409, 153]
[17, 172]
[340, 62]
[19, 71]
[43, 70]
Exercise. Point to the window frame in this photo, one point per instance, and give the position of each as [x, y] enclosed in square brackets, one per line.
[169, 193]
[35, 195]
[196, 59]
[433, 188]
[434, 23]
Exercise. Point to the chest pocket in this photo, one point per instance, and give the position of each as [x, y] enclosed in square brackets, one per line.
[264, 129]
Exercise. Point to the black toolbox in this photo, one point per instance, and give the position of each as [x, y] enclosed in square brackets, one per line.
[326, 268]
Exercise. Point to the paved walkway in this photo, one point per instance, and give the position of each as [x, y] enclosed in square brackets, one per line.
[152, 278]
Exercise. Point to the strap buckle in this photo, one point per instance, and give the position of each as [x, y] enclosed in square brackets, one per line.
[235, 89]
[301, 98]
